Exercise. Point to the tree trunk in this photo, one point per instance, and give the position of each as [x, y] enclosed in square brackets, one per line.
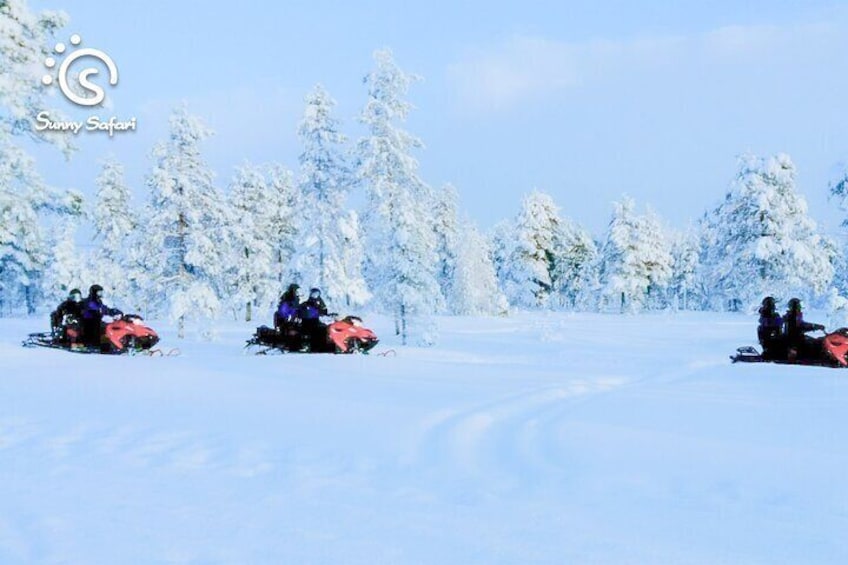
[248, 312]
[30, 299]
[403, 324]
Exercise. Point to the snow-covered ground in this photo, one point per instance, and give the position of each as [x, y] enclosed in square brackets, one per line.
[539, 438]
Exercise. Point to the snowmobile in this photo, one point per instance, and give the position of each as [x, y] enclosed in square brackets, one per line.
[346, 335]
[126, 333]
[829, 351]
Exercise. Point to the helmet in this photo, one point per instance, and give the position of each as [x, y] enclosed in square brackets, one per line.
[95, 290]
[768, 302]
[314, 293]
[75, 295]
[794, 304]
[292, 292]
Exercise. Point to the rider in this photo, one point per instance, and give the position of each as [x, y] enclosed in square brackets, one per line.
[770, 331]
[287, 309]
[65, 319]
[93, 311]
[311, 311]
[799, 344]
[287, 318]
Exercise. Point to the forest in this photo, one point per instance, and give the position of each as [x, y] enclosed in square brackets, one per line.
[197, 250]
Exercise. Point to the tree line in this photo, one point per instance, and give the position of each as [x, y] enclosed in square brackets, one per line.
[195, 251]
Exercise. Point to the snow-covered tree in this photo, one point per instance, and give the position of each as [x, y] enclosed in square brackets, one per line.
[575, 269]
[685, 252]
[760, 240]
[24, 196]
[475, 288]
[325, 227]
[635, 264]
[25, 40]
[402, 261]
[253, 232]
[527, 272]
[65, 264]
[353, 259]
[447, 228]
[839, 189]
[114, 225]
[658, 260]
[501, 239]
[186, 243]
[284, 205]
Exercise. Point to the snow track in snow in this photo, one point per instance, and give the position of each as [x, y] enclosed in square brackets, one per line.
[538, 438]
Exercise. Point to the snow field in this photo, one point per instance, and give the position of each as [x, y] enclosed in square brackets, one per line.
[539, 438]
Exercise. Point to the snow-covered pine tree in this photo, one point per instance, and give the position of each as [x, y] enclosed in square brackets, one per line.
[527, 273]
[446, 225]
[575, 272]
[325, 227]
[685, 252]
[65, 264]
[353, 259]
[635, 261]
[839, 189]
[186, 239]
[253, 234]
[114, 226]
[402, 261]
[657, 258]
[284, 205]
[760, 240]
[475, 290]
[501, 239]
[24, 197]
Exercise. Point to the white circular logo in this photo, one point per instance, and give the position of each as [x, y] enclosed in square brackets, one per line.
[84, 82]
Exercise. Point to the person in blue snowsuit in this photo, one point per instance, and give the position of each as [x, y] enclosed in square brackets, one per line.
[287, 319]
[287, 313]
[93, 311]
[770, 331]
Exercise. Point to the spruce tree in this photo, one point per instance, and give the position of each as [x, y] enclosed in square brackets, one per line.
[324, 258]
[187, 228]
[402, 260]
[760, 241]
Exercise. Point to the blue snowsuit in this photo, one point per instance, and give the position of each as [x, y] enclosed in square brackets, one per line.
[93, 311]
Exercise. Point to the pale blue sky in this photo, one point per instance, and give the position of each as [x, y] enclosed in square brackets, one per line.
[583, 100]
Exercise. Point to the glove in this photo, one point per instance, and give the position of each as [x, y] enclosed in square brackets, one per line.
[819, 327]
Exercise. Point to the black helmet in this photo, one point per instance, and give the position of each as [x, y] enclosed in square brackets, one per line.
[291, 293]
[794, 304]
[768, 302]
[75, 295]
[95, 290]
[314, 292]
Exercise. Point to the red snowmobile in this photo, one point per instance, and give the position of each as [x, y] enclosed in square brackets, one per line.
[346, 335]
[829, 351]
[127, 333]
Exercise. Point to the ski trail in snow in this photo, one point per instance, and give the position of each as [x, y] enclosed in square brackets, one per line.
[506, 436]
[135, 448]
